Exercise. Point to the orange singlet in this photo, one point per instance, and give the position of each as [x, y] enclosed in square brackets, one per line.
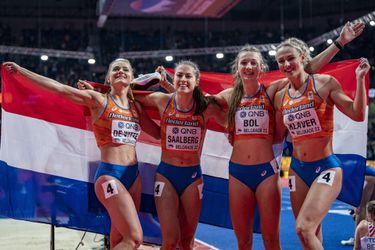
[181, 131]
[255, 117]
[117, 124]
[308, 115]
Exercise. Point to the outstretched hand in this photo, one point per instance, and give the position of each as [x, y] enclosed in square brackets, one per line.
[163, 80]
[350, 31]
[83, 85]
[363, 68]
[11, 67]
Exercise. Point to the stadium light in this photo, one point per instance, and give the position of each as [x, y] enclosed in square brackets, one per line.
[169, 58]
[272, 52]
[329, 41]
[91, 61]
[311, 48]
[44, 57]
[219, 55]
[372, 23]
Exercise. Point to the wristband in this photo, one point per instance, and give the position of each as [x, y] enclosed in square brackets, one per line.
[338, 45]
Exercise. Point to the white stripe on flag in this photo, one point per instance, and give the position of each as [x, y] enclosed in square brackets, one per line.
[215, 154]
[349, 137]
[50, 148]
[45, 147]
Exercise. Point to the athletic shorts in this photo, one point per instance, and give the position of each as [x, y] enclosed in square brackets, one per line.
[253, 175]
[179, 177]
[308, 171]
[125, 174]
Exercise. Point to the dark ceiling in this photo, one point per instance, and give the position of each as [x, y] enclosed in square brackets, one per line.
[245, 10]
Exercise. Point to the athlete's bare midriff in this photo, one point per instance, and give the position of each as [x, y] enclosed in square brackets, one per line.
[313, 149]
[118, 154]
[252, 151]
[180, 159]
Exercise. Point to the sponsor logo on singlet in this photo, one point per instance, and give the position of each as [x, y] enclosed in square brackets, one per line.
[252, 120]
[125, 132]
[186, 138]
[302, 120]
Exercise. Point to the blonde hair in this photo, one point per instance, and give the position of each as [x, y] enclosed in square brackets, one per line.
[130, 92]
[238, 90]
[106, 81]
[299, 45]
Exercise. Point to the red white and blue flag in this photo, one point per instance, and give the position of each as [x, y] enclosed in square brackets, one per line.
[49, 156]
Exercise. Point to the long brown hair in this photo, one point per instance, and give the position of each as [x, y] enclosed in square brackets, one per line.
[238, 89]
[200, 101]
[130, 92]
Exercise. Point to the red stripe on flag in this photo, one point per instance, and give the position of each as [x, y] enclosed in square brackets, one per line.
[23, 98]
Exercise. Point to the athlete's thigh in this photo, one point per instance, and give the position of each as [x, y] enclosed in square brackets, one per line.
[119, 204]
[190, 207]
[167, 204]
[242, 204]
[298, 191]
[268, 196]
[322, 193]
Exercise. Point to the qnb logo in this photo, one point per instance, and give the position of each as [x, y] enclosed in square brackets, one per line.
[290, 117]
[121, 125]
[243, 114]
[175, 130]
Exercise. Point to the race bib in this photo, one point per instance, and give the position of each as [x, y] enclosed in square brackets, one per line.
[183, 138]
[368, 243]
[303, 122]
[252, 121]
[125, 132]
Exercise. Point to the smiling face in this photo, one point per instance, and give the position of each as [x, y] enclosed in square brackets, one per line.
[249, 65]
[185, 78]
[289, 60]
[120, 72]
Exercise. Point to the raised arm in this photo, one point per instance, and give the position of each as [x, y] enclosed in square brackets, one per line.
[87, 98]
[164, 81]
[356, 109]
[347, 34]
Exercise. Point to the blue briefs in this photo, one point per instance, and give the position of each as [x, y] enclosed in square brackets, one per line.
[308, 171]
[253, 175]
[125, 174]
[179, 177]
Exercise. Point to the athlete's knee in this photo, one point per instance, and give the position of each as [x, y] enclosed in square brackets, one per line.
[135, 240]
[305, 229]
